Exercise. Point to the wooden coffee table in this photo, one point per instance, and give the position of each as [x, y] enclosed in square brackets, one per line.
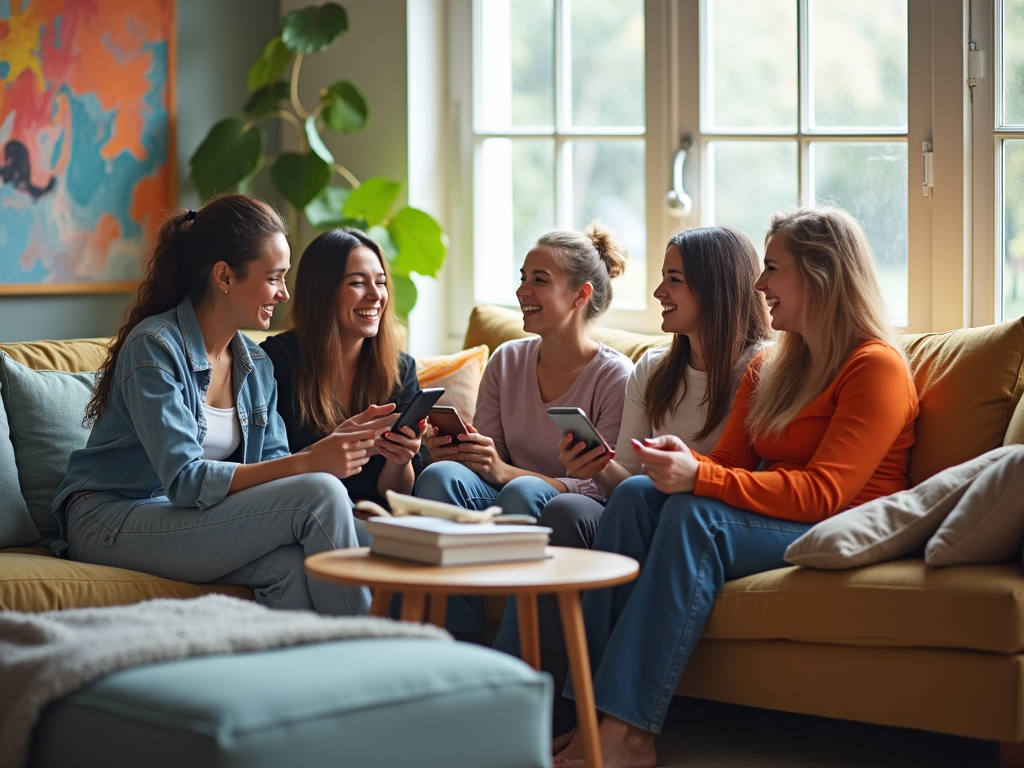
[566, 573]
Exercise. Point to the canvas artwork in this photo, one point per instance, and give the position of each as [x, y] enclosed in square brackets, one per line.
[86, 168]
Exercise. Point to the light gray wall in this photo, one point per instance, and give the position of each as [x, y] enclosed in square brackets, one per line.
[217, 41]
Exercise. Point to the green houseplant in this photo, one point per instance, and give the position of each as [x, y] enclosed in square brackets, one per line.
[236, 149]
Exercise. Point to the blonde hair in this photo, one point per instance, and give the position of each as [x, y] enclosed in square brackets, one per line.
[596, 257]
[843, 307]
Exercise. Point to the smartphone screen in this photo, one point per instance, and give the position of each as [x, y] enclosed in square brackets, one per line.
[574, 420]
[448, 422]
[418, 409]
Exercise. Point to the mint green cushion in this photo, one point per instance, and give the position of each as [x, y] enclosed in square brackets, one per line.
[394, 703]
[44, 411]
[16, 526]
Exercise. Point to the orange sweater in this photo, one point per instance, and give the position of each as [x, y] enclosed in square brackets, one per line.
[850, 445]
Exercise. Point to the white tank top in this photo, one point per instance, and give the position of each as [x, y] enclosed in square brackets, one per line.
[223, 433]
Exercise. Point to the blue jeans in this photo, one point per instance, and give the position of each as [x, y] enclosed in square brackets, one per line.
[453, 483]
[258, 538]
[640, 635]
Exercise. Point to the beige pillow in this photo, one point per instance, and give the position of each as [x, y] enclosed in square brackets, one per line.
[460, 376]
[888, 527]
[987, 524]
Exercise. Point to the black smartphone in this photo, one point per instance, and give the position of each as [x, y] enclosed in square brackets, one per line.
[448, 422]
[575, 420]
[418, 409]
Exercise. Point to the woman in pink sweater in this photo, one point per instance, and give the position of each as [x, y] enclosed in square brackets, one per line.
[510, 456]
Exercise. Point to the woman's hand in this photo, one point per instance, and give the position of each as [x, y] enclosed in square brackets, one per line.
[668, 462]
[441, 447]
[342, 453]
[581, 463]
[477, 452]
[399, 447]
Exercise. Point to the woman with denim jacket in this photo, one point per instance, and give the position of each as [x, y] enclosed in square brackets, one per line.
[186, 473]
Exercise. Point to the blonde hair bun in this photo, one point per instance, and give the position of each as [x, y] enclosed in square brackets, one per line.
[609, 247]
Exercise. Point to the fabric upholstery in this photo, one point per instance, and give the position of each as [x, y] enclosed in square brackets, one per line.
[494, 326]
[387, 703]
[987, 524]
[45, 411]
[16, 526]
[1015, 432]
[460, 376]
[40, 582]
[969, 381]
[74, 356]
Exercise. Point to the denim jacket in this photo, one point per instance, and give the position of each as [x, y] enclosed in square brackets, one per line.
[148, 442]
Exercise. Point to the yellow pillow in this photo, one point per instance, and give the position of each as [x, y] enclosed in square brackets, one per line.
[75, 356]
[460, 376]
[969, 382]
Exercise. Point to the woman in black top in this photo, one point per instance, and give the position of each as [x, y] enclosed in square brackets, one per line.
[341, 363]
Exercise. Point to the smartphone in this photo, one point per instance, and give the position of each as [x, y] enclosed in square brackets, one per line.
[575, 420]
[418, 409]
[448, 422]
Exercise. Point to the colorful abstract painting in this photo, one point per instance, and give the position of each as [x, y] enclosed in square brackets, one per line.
[86, 152]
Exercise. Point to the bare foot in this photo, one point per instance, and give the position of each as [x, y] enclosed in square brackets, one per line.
[622, 746]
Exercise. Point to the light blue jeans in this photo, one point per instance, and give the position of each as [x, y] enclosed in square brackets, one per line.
[453, 483]
[258, 538]
[640, 635]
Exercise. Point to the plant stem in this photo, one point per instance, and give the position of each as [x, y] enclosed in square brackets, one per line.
[289, 117]
[303, 114]
[346, 174]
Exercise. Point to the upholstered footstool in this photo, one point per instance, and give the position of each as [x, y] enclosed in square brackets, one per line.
[382, 702]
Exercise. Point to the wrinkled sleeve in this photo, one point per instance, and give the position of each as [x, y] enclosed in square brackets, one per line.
[153, 397]
[275, 441]
[488, 405]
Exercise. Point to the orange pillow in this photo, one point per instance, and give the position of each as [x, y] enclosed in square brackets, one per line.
[459, 374]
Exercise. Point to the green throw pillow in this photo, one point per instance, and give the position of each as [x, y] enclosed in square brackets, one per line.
[16, 526]
[44, 413]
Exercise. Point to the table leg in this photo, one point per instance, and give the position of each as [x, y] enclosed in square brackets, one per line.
[414, 606]
[381, 602]
[582, 682]
[529, 629]
[438, 609]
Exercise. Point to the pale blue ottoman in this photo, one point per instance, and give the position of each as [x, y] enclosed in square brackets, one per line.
[379, 703]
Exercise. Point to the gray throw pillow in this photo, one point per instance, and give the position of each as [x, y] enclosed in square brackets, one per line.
[987, 524]
[16, 526]
[891, 526]
[44, 412]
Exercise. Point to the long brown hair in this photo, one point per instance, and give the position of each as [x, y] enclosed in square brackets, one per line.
[232, 228]
[318, 376]
[721, 266]
[843, 307]
[595, 256]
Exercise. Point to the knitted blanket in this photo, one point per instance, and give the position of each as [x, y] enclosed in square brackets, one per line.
[46, 656]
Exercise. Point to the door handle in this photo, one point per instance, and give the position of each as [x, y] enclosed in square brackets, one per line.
[679, 203]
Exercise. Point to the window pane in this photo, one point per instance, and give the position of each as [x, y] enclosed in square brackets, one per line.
[608, 184]
[517, 80]
[869, 180]
[751, 181]
[607, 62]
[515, 204]
[1013, 62]
[1013, 229]
[750, 68]
[858, 64]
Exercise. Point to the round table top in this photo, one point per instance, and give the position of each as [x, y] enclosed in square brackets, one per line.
[565, 570]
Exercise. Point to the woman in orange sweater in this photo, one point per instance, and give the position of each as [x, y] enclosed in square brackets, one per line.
[822, 422]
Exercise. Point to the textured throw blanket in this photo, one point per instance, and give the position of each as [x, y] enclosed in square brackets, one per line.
[46, 656]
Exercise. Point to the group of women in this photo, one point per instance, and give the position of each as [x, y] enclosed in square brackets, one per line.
[212, 459]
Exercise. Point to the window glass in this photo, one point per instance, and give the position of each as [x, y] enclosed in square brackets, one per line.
[1013, 229]
[1013, 62]
[607, 45]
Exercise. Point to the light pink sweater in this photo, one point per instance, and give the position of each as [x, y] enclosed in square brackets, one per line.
[510, 411]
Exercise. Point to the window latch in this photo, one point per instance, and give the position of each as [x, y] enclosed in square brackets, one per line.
[679, 203]
[927, 182]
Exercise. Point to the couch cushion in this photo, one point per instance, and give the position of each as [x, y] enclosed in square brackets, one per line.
[45, 411]
[382, 703]
[16, 526]
[73, 356]
[969, 382]
[36, 581]
[899, 603]
[494, 326]
[460, 376]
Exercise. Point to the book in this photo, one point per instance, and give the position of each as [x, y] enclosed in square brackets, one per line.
[437, 541]
[496, 552]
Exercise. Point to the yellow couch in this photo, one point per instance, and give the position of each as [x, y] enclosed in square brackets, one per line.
[894, 644]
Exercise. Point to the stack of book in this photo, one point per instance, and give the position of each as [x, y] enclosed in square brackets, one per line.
[436, 541]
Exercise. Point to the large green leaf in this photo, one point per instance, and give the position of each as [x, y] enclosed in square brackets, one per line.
[312, 29]
[327, 210]
[267, 99]
[300, 178]
[383, 239]
[269, 66]
[372, 201]
[316, 143]
[404, 297]
[419, 240]
[348, 109]
[231, 151]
